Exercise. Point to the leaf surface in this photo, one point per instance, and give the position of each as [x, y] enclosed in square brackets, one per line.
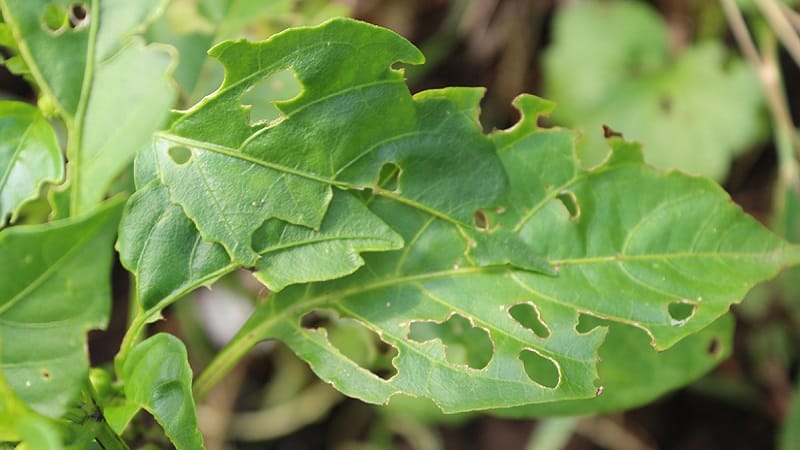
[159, 379]
[694, 114]
[662, 252]
[111, 89]
[54, 287]
[353, 117]
[29, 156]
[19, 423]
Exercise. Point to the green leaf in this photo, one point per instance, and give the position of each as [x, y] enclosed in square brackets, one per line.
[19, 423]
[29, 156]
[694, 110]
[155, 234]
[662, 252]
[111, 89]
[632, 374]
[54, 287]
[159, 380]
[289, 166]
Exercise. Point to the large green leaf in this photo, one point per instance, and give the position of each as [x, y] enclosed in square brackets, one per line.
[54, 287]
[159, 379]
[29, 156]
[112, 90]
[662, 252]
[610, 64]
[353, 119]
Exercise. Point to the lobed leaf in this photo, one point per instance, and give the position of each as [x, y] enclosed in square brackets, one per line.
[353, 118]
[663, 252]
[54, 287]
[158, 379]
[111, 89]
[29, 156]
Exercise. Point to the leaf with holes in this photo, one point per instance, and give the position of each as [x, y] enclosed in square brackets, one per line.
[19, 424]
[632, 374]
[29, 156]
[665, 253]
[353, 122]
[54, 287]
[695, 114]
[159, 379]
[110, 88]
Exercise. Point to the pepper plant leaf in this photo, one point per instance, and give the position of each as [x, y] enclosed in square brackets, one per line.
[159, 380]
[54, 287]
[110, 88]
[694, 109]
[353, 120]
[663, 252]
[29, 156]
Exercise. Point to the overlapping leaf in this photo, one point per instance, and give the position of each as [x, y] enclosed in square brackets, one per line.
[54, 287]
[111, 89]
[29, 156]
[663, 252]
[353, 118]
[693, 110]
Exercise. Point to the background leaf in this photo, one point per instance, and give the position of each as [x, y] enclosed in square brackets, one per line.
[54, 287]
[693, 109]
[29, 156]
[111, 89]
[158, 379]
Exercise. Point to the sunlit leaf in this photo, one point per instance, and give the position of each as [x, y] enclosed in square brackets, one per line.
[54, 287]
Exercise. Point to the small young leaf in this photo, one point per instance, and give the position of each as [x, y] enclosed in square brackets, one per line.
[158, 379]
[693, 111]
[54, 287]
[29, 156]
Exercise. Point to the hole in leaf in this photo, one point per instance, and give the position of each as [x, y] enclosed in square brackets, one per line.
[528, 316]
[570, 202]
[587, 323]
[355, 341]
[180, 155]
[681, 311]
[46, 374]
[714, 347]
[54, 19]
[541, 370]
[389, 177]
[464, 342]
[260, 98]
[78, 15]
[481, 220]
[665, 104]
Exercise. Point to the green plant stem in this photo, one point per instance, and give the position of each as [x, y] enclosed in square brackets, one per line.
[75, 141]
[781, 26]
[768, 73]
[552, 434]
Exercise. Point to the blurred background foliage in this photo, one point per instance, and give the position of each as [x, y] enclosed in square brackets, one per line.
[709, 87]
